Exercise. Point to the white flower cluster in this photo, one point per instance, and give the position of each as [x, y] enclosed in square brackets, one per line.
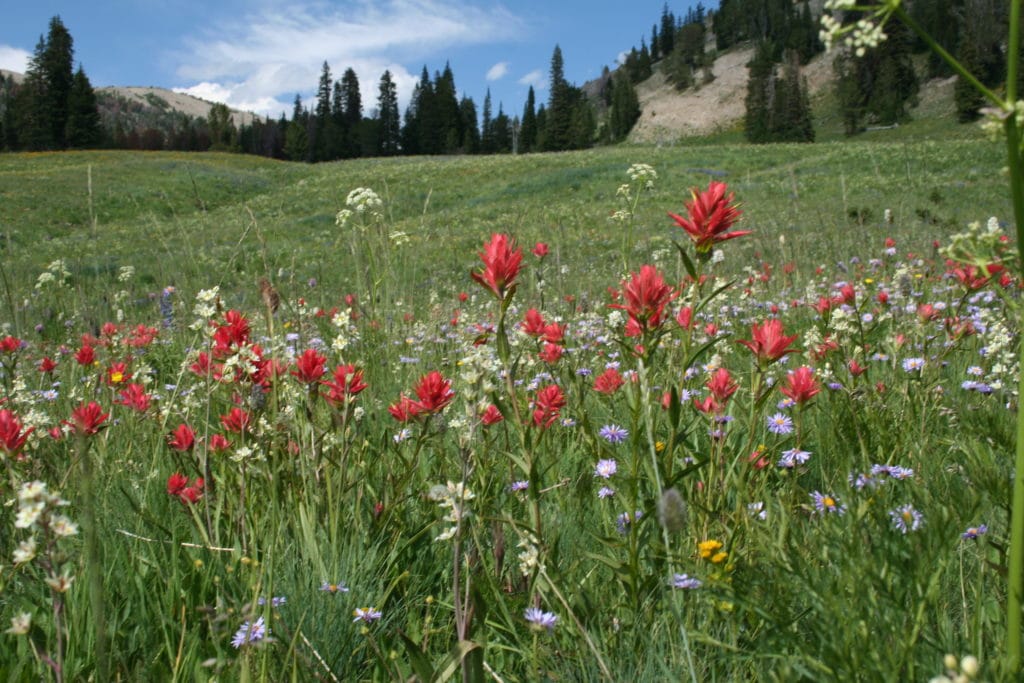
[529, 555]
[1000, 351]
[361, 201]
[453, 497]
[864, 34]
[37, 510]
[644, 174]
[205, 307]
[348, 334]
[125, 273]
[56, 274]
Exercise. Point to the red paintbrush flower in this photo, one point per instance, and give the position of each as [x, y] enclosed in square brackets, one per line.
[12, 436]
[47, 365]
[551, 353]
[134, 396]
[87, 419]
[645, 296]
[548, 406]
[176, 483]
[501, 265]
[405, 409]
[608, 382]
[9, 344]
[711, 215]
[85, 355]
[721, 385]
[769, 343]
[117, 373]
[491, 416]
[540, 250]
[347, 382]
[232, 333]
[533, 323]
[434, 392]
[801, 385]
[236, 421]
[182, 439]
[309, 367]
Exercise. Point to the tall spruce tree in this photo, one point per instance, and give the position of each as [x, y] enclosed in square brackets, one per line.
[558, 133]
[32, 114]
[487, 141]
[528, 127]
[387, 115]
[324, 131]
[352, 114]
[667, 35]
[625, 109]
[470, 126]
[760, 101]
[58, 70]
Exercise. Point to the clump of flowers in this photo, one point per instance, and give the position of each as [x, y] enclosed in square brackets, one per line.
[711, 550]
[453, 498]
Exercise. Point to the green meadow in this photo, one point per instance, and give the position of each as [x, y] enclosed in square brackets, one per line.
[635, 514]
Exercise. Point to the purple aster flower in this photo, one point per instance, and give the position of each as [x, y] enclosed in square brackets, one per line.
[606, 468]
[906, 519]
[913, 364]
[519, 486]
[792, 458]
[860, 481]
[825, 503]
[367, 614]
[605, 492]
[333, 588]
[250, 632]
[780, 424]
[686, 582]
[584, 372]
[539, 619]
[785, 403]
[613, 433]
[974, 531]
[623, 521]
[274, 602]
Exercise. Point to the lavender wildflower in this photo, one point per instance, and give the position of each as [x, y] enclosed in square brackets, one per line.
[974, 531]
[906, 519]
[250, 632]
[367, 614]
[613, 433]
[686, 582]
[780, 424]
[539, 619]
[606, 468]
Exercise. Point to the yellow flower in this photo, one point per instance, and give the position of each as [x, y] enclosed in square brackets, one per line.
[659, 446]
[719, 557]
[708, 548]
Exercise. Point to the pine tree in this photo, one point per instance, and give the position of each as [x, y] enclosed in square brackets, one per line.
[558, 133]
[487, 141]
[502, 132]
[352, 114]
[222, 128]
[449, 121]
[792, 122]
[33, 116]
[528, 127]
[625, 108]
[668, 31]
[58, 70]
[760, 99]
[470, 126]
[655, 44]
[322, 139]
[296, 142]
[387, 114]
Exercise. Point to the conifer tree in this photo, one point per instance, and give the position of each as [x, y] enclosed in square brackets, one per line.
[625, 109]
[351, 113]
[296, 143]
[470, 126]
[387, 114]
[58, 73]
[667, 35]
[324, 132]
[760, 100]
[502, 132]
[558, 133]
[528, 127]
[487, 141]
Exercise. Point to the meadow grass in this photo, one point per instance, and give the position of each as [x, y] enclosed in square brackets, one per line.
[829, 549]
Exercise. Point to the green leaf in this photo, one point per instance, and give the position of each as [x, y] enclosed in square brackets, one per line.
[417, 659]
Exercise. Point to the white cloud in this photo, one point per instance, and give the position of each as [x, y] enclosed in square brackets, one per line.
[268, 56]
[497, 71]
[536, 78]
[13, 59]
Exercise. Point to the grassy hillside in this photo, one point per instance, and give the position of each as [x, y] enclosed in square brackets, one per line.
[203, 219]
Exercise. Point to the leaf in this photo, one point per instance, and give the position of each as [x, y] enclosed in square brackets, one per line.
[687, 263]
[417, 659]
[454, 659]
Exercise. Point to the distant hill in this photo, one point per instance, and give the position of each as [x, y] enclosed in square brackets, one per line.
[164, 100]
[18, 78]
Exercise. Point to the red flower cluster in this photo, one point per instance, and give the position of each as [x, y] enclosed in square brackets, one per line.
[87, 419]
[309, 367]
[134, 396]
[548, 406]
[608, 382]
[182, 439]
[501, 265]
[346, 384]
[12, 433]
[645, 296]
[178, 486]
[770, 342]
[711, 215]
[801, 386]
[434, 393]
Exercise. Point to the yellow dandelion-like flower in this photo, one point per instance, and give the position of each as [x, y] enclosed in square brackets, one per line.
[708, 548]
[659, 446]
[719, 557]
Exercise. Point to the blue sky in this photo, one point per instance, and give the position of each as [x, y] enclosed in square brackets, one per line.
[256, 54]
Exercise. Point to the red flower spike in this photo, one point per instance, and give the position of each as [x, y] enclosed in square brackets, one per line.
[769, 342]
[801, 386]
[117, 373]
[434, 392]
[219, 443]
[12, 435]
[405, 409]
[501, 265]
[533, 323]
[182, 439]
[87, 419]
[551, 353]
[645, 296]
[347, 382]
[712, 213]
[134, 396]
[309, 367]
[9, 344]
[176, 483]
[86, 355]
[491, 416]
[47, 365]
[548, 406]
[608, 382]
[236, 421]
[721, 385]
[540, 250]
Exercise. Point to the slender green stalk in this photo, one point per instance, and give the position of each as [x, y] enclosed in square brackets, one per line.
[93, 557]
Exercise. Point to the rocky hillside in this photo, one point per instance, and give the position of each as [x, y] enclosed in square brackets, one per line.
[164, 101]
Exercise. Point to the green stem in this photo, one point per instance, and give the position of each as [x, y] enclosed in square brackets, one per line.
[93, 558]
[1015, 578]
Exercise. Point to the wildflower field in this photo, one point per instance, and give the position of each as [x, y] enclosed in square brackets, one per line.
[697, 413]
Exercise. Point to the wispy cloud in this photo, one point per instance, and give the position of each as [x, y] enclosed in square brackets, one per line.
[497, 71]
[263, 58]
[536, 78]
[13, 59]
